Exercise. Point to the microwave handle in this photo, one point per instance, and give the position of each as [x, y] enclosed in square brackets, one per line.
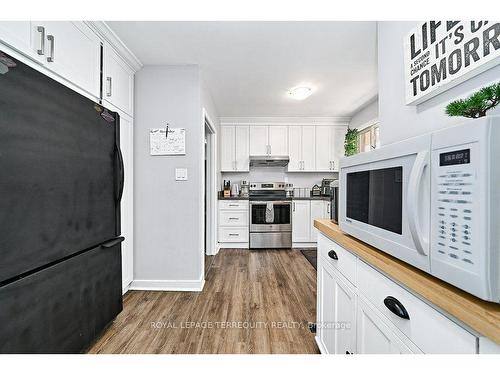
[414, 185]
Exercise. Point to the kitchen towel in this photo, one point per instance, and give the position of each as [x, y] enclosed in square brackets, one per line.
[269, 212]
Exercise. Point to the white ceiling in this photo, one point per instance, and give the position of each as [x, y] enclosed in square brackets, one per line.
[248, 67]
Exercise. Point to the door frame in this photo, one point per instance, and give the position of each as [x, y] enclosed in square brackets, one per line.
[212, 188]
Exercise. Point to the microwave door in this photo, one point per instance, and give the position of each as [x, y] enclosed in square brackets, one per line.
[384, 200]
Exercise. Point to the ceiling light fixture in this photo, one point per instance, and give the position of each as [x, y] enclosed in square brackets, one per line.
[300, 93]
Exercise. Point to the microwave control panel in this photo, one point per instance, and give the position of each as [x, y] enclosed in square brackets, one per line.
[454, 206]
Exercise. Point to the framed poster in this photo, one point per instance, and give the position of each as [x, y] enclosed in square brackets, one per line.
[441, 54]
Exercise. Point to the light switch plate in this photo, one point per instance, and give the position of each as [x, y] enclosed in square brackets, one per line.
[181, 174]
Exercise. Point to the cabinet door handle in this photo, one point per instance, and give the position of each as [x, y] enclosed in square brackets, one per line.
[396, 307]
[333, 165]
[293, 206]
[51, 39]
[41, 30]
[332, 254]
[109, 87]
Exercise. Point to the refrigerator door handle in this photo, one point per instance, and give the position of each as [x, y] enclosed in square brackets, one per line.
[121, 172]
[113, 242]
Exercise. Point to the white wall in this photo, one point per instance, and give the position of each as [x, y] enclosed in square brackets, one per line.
[399, 121]
[365, 115]
[168, 229]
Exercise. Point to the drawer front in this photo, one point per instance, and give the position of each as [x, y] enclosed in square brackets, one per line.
[233, 218]
[430, 330]
[62, 308]
[345, 262]
[233, 205]
[236, 234]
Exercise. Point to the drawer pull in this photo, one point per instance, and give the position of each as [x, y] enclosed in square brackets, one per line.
[233, 205]
[396, 307]
[233, 234]
[233, 218]
[332, 254]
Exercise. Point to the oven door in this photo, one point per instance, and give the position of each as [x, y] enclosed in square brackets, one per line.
[282, 217]
[385, 199]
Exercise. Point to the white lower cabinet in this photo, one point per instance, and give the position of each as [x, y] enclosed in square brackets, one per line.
[233, 223]
[387, 318]
[336, 324]
[304, 212]
[301, 214]
[374, 336]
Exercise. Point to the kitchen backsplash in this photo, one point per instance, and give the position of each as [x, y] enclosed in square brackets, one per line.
[306, 179]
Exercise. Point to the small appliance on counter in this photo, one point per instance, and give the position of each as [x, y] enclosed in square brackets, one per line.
[235, 190]
[315, 191]
[334, 201]
[325, 186]
[226, 193]
[244, 192]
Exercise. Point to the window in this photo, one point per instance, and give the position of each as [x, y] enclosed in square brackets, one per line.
[369, 138]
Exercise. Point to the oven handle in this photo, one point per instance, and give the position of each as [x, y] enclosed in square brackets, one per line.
[414, 186]
[274, 202]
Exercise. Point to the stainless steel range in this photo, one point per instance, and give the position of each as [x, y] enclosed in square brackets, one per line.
[270, 216]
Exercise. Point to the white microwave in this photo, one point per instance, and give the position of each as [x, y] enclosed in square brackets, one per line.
[432, 201]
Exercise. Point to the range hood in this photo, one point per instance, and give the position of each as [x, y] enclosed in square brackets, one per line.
[269, 161]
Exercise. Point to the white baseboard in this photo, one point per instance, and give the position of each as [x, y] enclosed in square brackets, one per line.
[301, 245]
[233, 245]
[169, 285]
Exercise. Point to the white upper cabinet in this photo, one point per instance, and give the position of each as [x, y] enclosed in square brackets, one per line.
[241, 143]
[118, 81]
[295, 148]
[268, 140]
[329, 147]
[259, 140]
[338, 135]
[73, 51]
[69, 49]
[308, 148]
[234, 148]
[278, 140]
[17, 34]
[227, 149]
[301, 147]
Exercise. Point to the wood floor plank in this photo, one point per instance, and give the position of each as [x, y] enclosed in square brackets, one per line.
[253, 302]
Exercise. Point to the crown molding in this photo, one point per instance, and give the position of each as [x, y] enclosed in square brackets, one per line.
[108, 35]
[282, 120]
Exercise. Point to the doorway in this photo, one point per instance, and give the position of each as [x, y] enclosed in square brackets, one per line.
[210, 194]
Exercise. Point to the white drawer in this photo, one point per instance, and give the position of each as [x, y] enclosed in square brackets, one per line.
[233, 205]
[232, 218]
[345, 262]
[236, 234]
[430, 330]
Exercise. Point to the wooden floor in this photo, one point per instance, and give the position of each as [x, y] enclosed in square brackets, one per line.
[252, 302]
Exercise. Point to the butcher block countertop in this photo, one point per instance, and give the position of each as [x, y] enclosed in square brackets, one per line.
[481, 316]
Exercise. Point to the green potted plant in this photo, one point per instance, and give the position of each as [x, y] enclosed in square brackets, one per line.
[351, 142]
[477, 104]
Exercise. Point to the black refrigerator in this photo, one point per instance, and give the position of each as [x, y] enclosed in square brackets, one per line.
[61, 181]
